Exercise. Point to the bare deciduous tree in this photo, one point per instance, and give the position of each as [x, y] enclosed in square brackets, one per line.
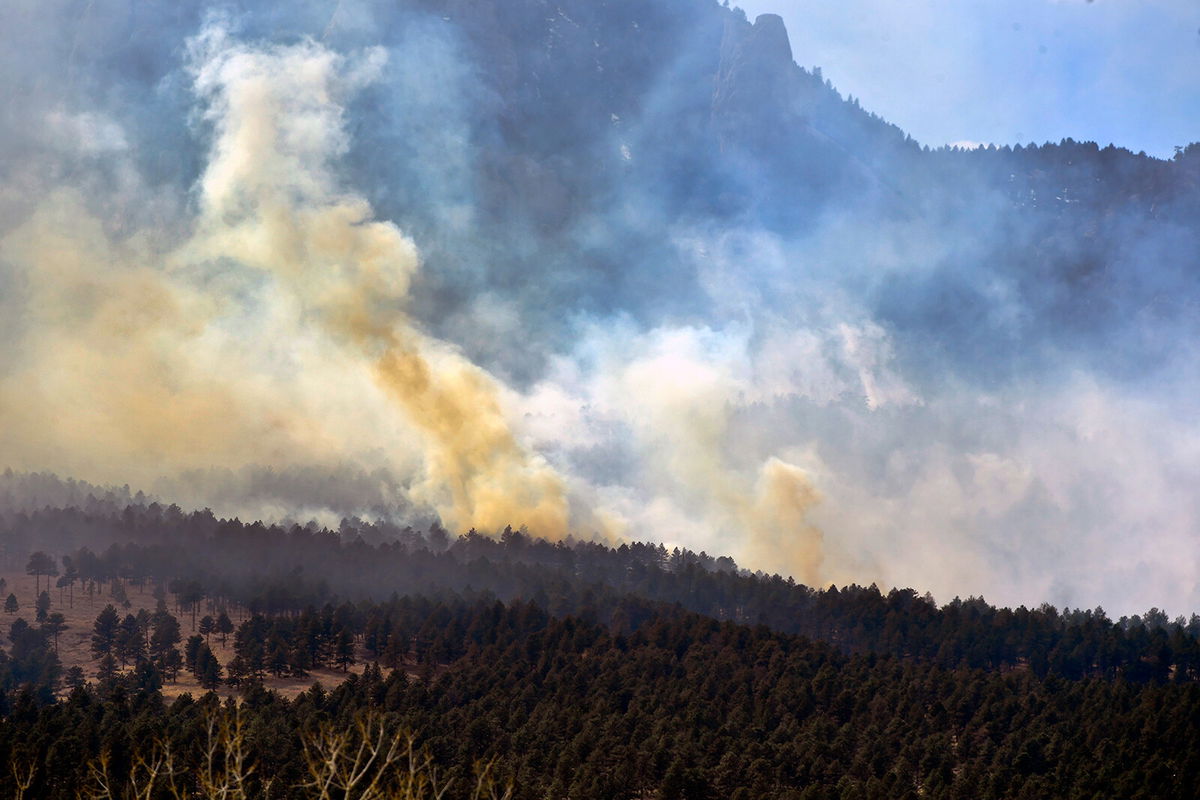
[22, 774]
[224, 771]
[227, 764]
[367, 761]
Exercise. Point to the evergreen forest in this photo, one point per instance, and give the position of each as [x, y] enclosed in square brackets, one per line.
[474, 667]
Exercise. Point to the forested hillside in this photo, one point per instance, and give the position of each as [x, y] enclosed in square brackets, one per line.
[560, 670]
[278, 570]
[684, 707]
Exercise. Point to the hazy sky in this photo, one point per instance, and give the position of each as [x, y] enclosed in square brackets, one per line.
[1008, 71]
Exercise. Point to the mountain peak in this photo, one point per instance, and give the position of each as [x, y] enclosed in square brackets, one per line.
[769, 36]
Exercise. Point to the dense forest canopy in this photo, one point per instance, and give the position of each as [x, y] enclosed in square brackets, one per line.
[527, 669]
[516, 667]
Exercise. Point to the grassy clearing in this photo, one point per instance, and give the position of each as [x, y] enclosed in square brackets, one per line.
[74, 643]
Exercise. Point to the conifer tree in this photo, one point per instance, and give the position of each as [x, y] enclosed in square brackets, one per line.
[223, 626]
[106, 670]
[75, 678]
[55, 624]
[207, 625]
[165, 635]
[70, 575]
[42, 607]
[278, 657]
[40, 564]
[104, 631]
[208, 669]
[130, 642]
[343, 654]
[191, 651]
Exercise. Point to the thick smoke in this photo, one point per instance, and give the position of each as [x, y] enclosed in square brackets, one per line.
[276, 329]
[669, 396]
[270, 202]
[499, 266]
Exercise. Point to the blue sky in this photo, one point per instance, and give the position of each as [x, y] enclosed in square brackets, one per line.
[1008, 71]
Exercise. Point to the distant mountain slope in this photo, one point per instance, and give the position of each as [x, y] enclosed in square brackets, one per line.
[547, 151]
[605, 128]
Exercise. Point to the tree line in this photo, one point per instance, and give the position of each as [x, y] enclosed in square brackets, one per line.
[208, 562]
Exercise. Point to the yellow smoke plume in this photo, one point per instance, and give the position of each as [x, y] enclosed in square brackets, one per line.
[782, 538]
[141, 357]
[270, 201]
[274, 329]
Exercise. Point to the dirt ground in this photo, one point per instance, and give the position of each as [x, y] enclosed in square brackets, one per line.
[74, 643]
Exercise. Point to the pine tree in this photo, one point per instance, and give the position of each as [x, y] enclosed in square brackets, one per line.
[171, 663]
[55, 624]
[190, 595]
[224, 625]
[130, 642]
[106, 670]
[191, 651]
[250, 647]
[42, 607]
[278, 657]
[119, 595]
[70, 575]
[299, 662]
[10, 605]
[343, 654]
[208, 669]
[75, 677]
[147, 677]
[104, 632]
[165, 634]
[40, 564]
[237, 671]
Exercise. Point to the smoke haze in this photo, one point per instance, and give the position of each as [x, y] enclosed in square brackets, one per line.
[498, 265]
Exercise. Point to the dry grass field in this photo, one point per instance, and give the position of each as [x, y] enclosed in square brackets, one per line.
[74, 643]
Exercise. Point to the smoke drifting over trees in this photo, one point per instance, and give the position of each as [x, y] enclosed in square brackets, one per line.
[604, 269]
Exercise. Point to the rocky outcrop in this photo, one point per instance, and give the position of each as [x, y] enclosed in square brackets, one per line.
[755, 81]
